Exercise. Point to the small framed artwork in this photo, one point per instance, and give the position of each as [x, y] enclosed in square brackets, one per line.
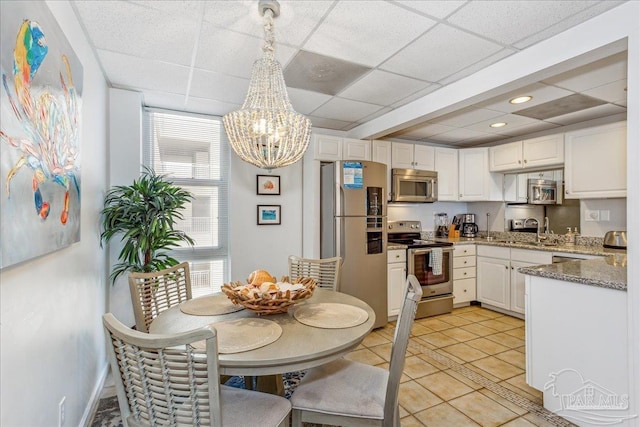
[268, 214]
[268, 184]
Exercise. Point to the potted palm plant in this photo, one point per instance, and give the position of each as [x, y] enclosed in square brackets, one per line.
[144, 215]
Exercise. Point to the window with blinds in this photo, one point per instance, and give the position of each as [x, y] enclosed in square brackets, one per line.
[193, 152]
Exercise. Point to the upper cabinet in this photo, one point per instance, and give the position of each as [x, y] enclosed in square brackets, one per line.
[446, 164]
[412, 156]
[545, 151]
[476, 182]
[596, 162]
[381, 153]
[332, 148]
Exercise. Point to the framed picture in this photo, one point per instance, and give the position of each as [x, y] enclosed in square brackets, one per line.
[268, 214]
[268, 184]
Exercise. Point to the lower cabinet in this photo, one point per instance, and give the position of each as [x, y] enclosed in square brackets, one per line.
[500, 285]
[396, 277]
[464, 274]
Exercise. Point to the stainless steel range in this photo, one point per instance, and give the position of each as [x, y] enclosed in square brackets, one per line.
[431, 262]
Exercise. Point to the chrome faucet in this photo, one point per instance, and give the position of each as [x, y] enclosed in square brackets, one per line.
[545, 230]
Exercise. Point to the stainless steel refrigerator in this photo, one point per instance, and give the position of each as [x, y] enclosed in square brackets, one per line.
[353, 225]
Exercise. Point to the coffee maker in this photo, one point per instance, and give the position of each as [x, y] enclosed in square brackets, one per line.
[469, 226]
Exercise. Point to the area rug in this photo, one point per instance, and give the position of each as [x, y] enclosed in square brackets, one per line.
[108, 412]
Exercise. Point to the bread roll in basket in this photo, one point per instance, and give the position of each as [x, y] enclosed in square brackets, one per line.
[264, 295]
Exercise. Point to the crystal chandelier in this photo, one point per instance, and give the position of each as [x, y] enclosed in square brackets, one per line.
[267, 132]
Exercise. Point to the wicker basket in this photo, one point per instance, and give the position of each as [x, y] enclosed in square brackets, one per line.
[270, 303]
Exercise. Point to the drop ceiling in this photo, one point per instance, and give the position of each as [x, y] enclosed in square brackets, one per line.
[348, 62]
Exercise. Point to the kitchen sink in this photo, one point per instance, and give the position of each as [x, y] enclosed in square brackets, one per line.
[539, 243]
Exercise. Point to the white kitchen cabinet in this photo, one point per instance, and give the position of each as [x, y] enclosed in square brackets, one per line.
[356, 149]
[381, 153]
[500, 285]
[412, 156]
[544, 151]
[515, 188]
[596, 162]
[446, 164]
[396, 277]
[476, 183]
[464, 274]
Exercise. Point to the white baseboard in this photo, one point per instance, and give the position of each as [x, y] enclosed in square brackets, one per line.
[90, 410]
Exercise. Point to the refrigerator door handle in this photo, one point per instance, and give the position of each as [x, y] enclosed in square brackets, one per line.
[340, 251]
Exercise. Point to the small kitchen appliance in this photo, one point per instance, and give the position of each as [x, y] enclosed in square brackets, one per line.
[469, 226]
[615, 240]
[442, 225]
[432, 264]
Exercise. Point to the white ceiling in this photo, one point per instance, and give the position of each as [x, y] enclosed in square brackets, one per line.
[197, 56]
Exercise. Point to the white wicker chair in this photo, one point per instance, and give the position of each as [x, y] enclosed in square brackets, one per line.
[325, 271]
[154, 292]
[348, 393]
[162, 380]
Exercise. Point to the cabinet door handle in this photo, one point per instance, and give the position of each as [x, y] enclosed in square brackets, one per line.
[465, 251]
[512, 268]
[465, 262]
[397, 256]
[460, 195]
[525, 160]
[519, 162]
[506, 266]
[464, 274]
[566, 192]
[465, 291]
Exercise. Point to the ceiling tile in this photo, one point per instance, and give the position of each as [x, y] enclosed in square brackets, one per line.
[423, 131]
[383, 88]
[138, 73]
[461, 135]
[441, 52]
[588, 114]
[345, 109]
[614, 92]
[378, 113]
[540, 92]
[437, 9]
[324, 123]
[466, 117]
[508, 21]
[296, 21]
[366, 32]
[196, 105]
[535, 126]
[304, 101]
[593, 75]
[218, 86]
[133, 30]
[431, 88]
[512, 121]
[233, 53]
[484, 62]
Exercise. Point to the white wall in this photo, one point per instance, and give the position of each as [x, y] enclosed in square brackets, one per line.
[617, 216]
[51, 338]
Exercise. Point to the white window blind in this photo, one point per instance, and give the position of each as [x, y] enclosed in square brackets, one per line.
[193, 152]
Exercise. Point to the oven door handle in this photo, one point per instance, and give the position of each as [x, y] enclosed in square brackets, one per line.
[422, 251]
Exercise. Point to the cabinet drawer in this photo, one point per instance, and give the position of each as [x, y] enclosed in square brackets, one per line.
[494, 252]
[464, 261]
[464, 273]
[396, 255]
[464, 290]
[464, 250]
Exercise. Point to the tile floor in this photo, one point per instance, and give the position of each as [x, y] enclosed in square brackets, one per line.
[462, 369]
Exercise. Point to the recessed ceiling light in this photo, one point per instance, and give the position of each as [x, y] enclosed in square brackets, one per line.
[520, 99]
[498, 124]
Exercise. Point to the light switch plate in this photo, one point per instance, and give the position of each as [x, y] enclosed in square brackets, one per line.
[605, 215]
[590, 215]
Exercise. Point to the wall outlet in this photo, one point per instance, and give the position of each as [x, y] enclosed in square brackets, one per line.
[61, 412]
[605, 215]
[590, 215]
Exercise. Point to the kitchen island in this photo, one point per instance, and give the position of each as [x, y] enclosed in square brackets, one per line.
[577, 338]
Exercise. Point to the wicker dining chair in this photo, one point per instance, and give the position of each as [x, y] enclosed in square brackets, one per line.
[325, 271]
[349, 393]
[154, 292]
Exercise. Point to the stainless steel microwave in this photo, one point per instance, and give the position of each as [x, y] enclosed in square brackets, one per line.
[542, 192]
[416, 186]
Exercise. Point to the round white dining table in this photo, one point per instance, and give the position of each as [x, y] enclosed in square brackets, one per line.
[299, 347]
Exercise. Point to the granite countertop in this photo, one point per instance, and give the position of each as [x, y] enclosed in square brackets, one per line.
[609, 272]
[392, 246]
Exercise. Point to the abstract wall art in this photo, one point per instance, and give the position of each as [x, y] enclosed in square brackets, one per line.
[40, 98]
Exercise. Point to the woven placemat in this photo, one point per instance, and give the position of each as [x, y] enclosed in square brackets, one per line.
[210, 305]
[330, 315]
[238, 335]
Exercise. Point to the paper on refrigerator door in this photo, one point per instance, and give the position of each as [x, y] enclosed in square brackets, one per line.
[352, 175]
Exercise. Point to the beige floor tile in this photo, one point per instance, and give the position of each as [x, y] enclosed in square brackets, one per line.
[459, 334]
[538, 421]
[469, 383]
[403, 377]
[416, 367]
[365, 356]
[436, 324]
[455, 320]
[497, 367]
[410, 421]
[520, 381]
[465, 352]
[512, 321]
[417, 345]
[478, 329]
[450, 356]
[466, 309]
[514, 357]
[497, 325]
[519, 422]
[438, 339]
[506, 340]
[403, 412]
[488, 346]
[504, 402]
[383, 350]
[415, 398]
[444, 386]
[482, 409]
[518, 333]
[522, 349]
[483, 373]
[444, 415]
[417, 330]
[375, 338]
[474, 316]
[535, 399]
[427, 358]
[491, 314]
